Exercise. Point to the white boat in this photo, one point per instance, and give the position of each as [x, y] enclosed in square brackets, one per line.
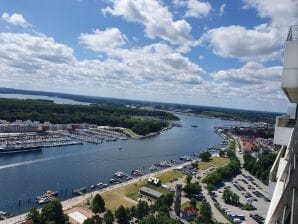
[119, 174]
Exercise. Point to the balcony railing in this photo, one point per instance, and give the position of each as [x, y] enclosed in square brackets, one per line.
[285, 121]
[284, 201]
[293, 33]
[274, 168]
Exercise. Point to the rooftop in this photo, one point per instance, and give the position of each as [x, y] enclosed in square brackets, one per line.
[150, 192]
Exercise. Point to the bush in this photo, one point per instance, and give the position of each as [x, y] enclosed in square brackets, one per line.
[52, 212]
[122, 215]
[192, 189]
[230, 197]
[98, 204]
[108, 217]
[205, 156]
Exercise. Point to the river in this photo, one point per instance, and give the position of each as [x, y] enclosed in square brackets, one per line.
[26, 175]
[34, 97]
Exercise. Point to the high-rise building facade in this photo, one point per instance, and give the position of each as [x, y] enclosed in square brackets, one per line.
[283, 179]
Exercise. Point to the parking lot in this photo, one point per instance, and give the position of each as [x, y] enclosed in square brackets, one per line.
[249, 190]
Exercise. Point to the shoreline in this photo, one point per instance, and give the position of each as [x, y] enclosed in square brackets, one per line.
[72, 202]
[134, 135]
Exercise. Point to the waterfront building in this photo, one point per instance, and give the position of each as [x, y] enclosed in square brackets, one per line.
[283, 179]
[150, 192]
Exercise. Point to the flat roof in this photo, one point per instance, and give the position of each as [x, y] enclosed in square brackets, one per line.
[151, 192]
[78, 217]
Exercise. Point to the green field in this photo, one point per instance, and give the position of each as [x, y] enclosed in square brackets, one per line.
[214, 162]
[127, 194]
[187, 204]
[170, 176]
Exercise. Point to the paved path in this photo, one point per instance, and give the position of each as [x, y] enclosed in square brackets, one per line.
[215, 212]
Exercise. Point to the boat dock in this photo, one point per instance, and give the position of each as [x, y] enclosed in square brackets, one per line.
[97, 135]
[80, 191]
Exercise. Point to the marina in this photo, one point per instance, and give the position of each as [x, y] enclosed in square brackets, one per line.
[35, 141]
[85, 165]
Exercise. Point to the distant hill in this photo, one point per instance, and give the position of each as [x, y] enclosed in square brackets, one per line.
[217, 112]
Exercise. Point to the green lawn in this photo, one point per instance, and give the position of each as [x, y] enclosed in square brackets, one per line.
[214, 162]
[187, 204]
[124, 194]
[118, 196]
[169, 176]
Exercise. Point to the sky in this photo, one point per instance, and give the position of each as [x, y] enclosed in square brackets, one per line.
[201, 52]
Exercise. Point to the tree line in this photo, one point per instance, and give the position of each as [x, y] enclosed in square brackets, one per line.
[138, 120]
[260, 167]
[226, 172]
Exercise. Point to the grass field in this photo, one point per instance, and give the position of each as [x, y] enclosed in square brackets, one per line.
[214, 162]
[121, 196]
[169, 176]
[127, 195]
[187, 204]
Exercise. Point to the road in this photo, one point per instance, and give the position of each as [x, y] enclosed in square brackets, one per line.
[215, 212]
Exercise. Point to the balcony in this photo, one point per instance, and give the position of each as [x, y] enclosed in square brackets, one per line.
[284, 126]
[284, 177]
[289, 82]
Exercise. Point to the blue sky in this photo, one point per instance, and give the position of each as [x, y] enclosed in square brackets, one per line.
[215, 53]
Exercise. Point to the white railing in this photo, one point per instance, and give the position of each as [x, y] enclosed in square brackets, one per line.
[284, 199]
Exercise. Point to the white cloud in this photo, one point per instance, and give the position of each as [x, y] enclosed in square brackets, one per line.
[222, 9]
[157, 19]
[25, 57]
[198, 9]
[253, 83]
[103, 40]
[251, 73]
[179, 3]
[282, 13]
[261, 43]
[15, 19]
[154, 71]
[14, 47]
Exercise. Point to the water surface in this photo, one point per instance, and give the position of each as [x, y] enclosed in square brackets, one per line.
[24, 176]
[35, 97]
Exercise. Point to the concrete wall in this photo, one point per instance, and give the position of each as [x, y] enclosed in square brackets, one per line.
[289, 81]
[282, 135]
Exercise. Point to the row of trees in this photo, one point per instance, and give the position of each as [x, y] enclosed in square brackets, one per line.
[146, 213]
[226, 172]
[159, 219]
[50, 213]
[41, 110]
[193, 189]
[260, 167]
[142, 211]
